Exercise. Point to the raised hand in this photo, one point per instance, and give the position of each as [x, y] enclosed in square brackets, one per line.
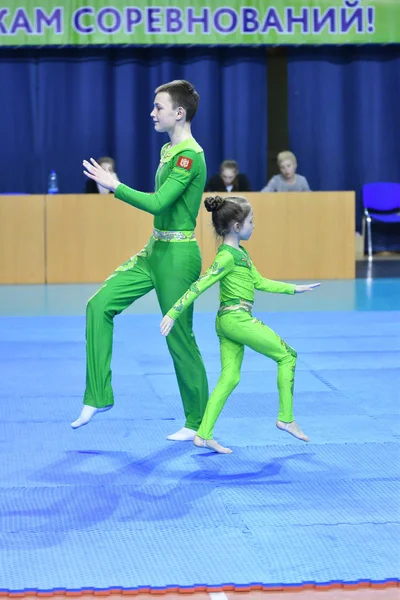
[306, 288]
[97, 173]
[166, 325]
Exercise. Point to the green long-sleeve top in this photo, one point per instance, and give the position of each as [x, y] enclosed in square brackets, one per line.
[238, 279]
[179, 185]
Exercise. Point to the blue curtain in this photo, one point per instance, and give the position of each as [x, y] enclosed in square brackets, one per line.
[62, 105]
[344, 117]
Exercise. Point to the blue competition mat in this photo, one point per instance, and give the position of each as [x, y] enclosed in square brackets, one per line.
[114, 504]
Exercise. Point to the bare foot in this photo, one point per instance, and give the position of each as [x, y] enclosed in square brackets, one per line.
[293, 429]
[211, 444]
[183, 435]
[87, 414]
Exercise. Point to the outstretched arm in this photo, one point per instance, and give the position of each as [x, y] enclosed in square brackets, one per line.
[222, 265]
[308, 287]
[156, 203]
[268, 285]
[279, 287]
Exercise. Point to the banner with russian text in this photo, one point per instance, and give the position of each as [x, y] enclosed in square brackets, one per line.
[232, 22]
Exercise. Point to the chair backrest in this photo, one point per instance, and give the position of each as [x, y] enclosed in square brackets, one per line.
[381, 196]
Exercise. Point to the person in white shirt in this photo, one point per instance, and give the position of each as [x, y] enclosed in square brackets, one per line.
[288, 180]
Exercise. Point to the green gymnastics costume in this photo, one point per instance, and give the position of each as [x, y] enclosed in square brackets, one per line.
[237, 328]
[170, 263]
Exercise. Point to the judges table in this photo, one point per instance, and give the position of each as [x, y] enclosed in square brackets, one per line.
[82, 238]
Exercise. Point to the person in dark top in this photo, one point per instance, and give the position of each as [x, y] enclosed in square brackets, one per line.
[228, 179]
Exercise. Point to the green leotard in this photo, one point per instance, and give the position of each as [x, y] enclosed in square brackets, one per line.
[169, 263]
[237, 328]
[179, 188]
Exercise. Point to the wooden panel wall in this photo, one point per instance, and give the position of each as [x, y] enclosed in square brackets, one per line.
[82, 238]
[307, 235]
[22, 239]
[88, 236]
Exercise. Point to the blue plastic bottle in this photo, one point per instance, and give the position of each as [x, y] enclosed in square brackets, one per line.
[52, 187]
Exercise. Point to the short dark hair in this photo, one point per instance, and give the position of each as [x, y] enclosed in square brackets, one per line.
[183, 94]
[229, 164]
[226, 211]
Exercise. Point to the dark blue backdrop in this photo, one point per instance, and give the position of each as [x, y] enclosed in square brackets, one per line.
[344, 117]
[62, 105]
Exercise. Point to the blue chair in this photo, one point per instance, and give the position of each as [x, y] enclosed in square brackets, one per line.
[381, 203]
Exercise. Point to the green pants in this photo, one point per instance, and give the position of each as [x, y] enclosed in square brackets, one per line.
[237, 329]
[169, 268]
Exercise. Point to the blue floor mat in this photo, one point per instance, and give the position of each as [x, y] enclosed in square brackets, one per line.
[114, 504]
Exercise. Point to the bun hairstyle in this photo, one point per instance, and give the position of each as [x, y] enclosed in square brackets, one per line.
[213, 204]
[227, 211]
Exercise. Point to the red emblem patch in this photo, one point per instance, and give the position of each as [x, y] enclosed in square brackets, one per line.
[185, 163]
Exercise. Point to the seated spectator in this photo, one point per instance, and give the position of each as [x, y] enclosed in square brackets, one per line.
[228, 180]
[91, 186]
[288, 180]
